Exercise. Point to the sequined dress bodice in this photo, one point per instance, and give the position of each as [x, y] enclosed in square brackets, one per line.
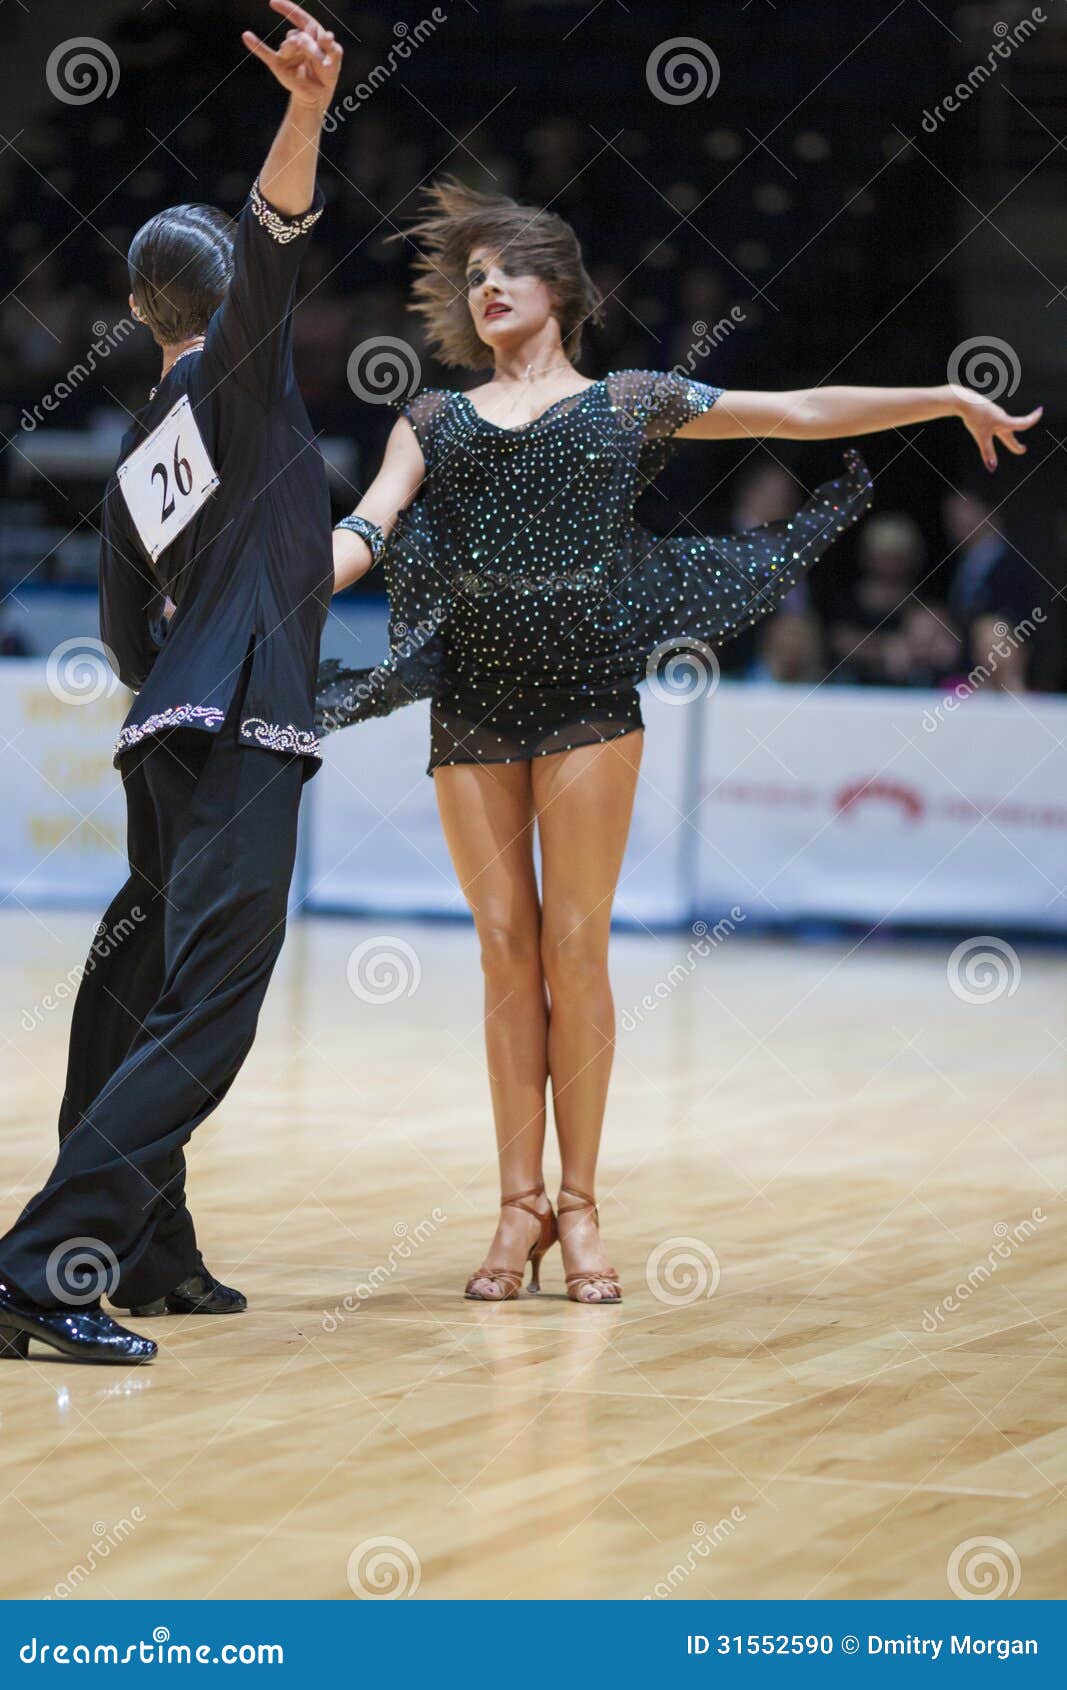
[526, 599]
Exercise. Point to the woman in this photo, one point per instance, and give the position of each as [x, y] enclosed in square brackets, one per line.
[527, 603]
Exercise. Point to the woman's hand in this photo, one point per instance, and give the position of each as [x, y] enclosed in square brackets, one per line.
[308, 62]
[987, 422]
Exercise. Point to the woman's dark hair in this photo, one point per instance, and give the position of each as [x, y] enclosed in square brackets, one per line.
[523, 239]
[181, 263]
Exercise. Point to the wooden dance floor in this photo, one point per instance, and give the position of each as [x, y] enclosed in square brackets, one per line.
[830, 1186]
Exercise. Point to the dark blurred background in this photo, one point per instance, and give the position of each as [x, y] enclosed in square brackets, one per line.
[822, 216]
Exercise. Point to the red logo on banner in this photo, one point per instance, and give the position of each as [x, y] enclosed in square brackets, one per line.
[905, 798]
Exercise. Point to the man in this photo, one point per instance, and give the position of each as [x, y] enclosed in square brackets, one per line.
[219, 502]
[993, 590]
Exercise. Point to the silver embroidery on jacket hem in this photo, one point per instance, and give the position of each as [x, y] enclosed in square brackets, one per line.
[277, 225]
[175, 716]
[273, 736]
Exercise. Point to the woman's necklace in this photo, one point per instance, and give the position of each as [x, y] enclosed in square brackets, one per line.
[196, 346]
[528, 372]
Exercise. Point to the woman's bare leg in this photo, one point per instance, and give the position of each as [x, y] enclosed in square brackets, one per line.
[487, 816]
[583, 801]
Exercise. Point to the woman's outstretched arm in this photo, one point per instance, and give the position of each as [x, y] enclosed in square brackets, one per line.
[828, 413]
[394, 486]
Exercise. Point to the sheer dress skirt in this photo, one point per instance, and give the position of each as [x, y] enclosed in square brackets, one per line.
[472, 723]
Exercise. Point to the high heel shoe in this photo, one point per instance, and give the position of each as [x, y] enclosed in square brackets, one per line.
[510, 1279]
[604, 1276]
[81, 1334]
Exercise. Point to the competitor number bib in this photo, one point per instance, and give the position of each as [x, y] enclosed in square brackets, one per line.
[167, 479]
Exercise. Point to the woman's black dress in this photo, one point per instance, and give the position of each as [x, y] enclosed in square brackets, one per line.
[527, 602]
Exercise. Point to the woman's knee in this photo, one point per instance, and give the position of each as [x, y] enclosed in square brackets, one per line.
[574, 956]
[509, 949]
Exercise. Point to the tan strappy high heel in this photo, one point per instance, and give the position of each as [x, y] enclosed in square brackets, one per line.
[607, 1276]
[510, 1279]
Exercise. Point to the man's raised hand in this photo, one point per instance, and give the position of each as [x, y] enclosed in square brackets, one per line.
[308, 62]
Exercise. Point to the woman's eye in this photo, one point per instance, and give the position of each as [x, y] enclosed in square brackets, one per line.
[476, 278]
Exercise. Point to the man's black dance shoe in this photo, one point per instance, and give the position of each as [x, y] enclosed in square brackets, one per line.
[201, 1293]
[80, 1334]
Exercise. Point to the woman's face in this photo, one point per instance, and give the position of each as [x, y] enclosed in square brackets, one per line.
[505, 307]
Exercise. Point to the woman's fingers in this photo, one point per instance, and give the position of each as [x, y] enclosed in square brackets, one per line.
[1028, 421]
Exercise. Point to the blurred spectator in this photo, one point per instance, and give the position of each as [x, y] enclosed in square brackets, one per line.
[12, 642]
[992, 591]
[790, 650]
[926, 651]
[865, 628]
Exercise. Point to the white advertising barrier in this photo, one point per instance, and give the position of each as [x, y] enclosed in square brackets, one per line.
[884, 806]
[373, 841]
[64, 823]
